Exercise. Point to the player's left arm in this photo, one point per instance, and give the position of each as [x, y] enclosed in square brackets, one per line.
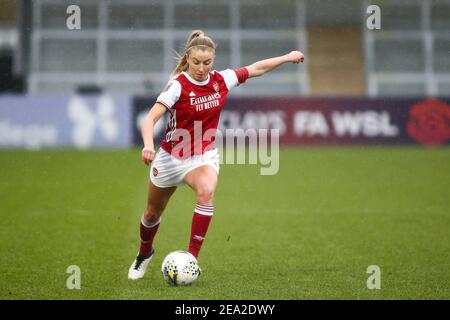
[259, 68]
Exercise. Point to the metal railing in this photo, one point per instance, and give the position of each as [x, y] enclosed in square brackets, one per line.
[415, 71]
[136, 56]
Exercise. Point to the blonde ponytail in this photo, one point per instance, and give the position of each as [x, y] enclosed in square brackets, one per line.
[196, 39]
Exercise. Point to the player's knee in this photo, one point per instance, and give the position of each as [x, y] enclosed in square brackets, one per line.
[152, 214]
[205, 194]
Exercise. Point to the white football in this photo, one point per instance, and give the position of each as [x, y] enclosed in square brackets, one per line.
[180, 268]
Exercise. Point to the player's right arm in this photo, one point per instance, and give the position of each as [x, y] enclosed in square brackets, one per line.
[164, 102]
[155, 113]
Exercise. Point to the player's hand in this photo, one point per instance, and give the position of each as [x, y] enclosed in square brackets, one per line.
[148, 154]
[296, 56]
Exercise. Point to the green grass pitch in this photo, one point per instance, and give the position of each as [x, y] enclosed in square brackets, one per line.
[308, 232]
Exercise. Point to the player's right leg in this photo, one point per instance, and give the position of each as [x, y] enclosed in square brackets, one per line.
[156, 202]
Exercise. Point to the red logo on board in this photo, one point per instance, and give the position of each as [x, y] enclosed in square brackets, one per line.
[429, 122]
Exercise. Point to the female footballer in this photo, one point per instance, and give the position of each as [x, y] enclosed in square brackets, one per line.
[194, 97]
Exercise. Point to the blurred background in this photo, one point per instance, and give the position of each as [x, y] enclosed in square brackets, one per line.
[127, 46]
[127, 49]
[84, 77]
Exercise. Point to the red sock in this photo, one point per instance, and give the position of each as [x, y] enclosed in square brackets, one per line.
[147, 234]
[200, 222]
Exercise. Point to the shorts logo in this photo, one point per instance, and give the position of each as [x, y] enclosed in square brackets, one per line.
[216, 86]
[155, 172]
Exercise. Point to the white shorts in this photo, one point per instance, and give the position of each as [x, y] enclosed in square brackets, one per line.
[169, 171]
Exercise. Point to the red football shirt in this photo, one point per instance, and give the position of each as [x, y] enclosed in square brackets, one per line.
[195, 110]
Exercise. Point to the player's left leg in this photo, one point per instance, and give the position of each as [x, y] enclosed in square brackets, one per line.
[203, 181]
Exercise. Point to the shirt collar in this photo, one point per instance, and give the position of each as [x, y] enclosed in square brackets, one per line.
[202, 83]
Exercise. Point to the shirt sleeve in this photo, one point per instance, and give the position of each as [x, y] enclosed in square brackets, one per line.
[234, 77]
[170, 94]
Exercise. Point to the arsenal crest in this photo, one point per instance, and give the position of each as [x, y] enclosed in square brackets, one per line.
[216, 86]
[155, 172]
